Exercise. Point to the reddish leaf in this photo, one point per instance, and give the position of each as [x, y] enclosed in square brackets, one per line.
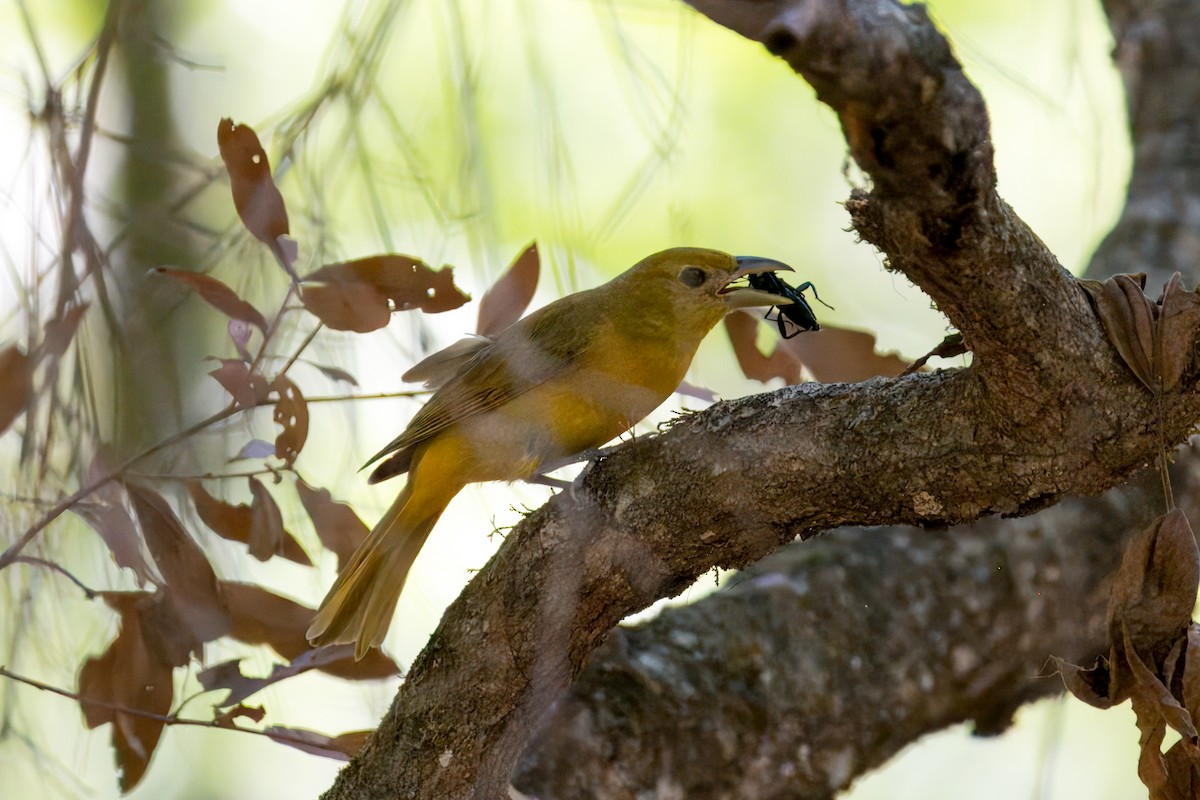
[218, 295]
[1128, 317]
[291, 411]
[506, 300]
[833, 355]
[190, 582]
[227, 719]
[61, 330]
[355, 295]
[743, 334]
[16, 376]
[341, 747]
[247, 388]
[131, 675]
[338, 527]
[238, 524]
[262, 617]
[255, 196]
[267, 534]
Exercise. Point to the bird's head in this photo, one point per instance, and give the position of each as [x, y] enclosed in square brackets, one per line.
[697, 287]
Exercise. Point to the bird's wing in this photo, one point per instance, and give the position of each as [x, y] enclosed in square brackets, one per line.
[527, 354]
[439, 368]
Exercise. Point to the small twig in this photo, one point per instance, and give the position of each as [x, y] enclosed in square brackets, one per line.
[60, 569]
[303, 346]
[166, 719]
[208, 476]
[340, 398]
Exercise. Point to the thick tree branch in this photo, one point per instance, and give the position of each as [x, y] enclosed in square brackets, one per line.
[1045, 412]
[785, 656]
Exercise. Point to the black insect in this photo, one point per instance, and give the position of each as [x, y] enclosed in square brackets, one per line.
[791, 319]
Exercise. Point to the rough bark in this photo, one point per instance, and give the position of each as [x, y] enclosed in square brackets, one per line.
[1045, 412]
[831, 656]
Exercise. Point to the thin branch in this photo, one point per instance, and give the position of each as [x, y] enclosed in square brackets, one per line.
[42, 562]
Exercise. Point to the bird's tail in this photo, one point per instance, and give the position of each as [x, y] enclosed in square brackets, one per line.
[360, 603]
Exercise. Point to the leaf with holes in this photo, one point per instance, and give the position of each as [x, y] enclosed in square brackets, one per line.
[291, 411]
[506, 300]
[255, 195]
[355, 295]
[217, 295]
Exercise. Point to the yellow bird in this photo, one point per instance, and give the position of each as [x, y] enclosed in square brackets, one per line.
[567, 378]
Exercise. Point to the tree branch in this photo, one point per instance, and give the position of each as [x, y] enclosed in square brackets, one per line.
[1046, 411]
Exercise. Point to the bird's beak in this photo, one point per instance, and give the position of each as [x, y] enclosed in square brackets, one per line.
[747, 296]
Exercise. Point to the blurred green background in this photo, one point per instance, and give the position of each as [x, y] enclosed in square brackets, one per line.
[457, 132]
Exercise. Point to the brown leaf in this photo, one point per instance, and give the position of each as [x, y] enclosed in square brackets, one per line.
[951, 346]
[833, 355]
[1089, 685]
[128, 674]
[16, 376]
[61, 330]
[341, 747]
[255, 196]
[506, 300]
[337, 526]
[262, 617]
[354, 295]
[218, 295]
[337, 374]
[247, 388]
[237, 523]
[1154, 708]
[266, 525]
[291, 411]
[227, 719]
[106, 513]
[743, 334]
[1178, 322]
[189, 580]
[1153, 592]
[1128, 317]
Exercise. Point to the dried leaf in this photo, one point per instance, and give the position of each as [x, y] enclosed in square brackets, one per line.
[190, 582]
[1153, 592]
[341, 747]
[255, 196]
[128, 674]
[268, 537]
[61, 330]
[506, 300]
[337, 526]
[16, 376]
[743, 334]
[238, 524]
[1128, 317]
[217, 295]
[106, 513]
[1089, 685]
[291, 411]
[953, 345]
[354, 295]
[247, 388]
[1154, 708]
[1178, 322]
[226, 719]
[834, 354]
[262, 617]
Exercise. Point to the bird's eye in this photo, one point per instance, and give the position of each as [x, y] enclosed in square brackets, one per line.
[691, 276]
